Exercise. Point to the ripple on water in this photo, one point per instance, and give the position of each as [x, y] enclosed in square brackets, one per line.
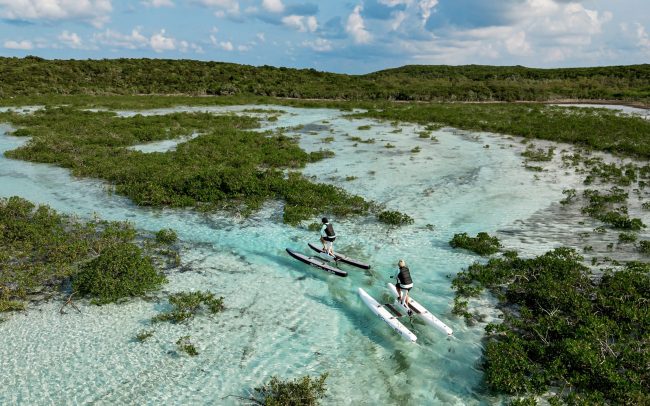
[282, 317]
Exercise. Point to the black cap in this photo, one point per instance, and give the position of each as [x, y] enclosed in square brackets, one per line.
[324, 220]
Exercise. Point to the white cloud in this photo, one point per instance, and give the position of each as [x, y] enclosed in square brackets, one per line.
[356, 27]
[243, 48]
[425, 8]
[274, 6]
[550, 29]
[319, 45]
[158, 3]
[224, 7]
[96, 12]
[261, 37]
[312, 23]
[398, 19]
[70, 39]
[517, 44]
[159, 42]
[642, 36]
[393, 3]
[21, 45]
[135, 40]
[225, 45]
[301, 23]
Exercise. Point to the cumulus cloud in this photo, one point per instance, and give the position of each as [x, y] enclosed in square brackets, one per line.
[516, 44]
[158, 3]
[96, 12]
[425, 8]
[110, 38]
[70, 39]
[642, 36]
[301, 23]
[226, 46]
[468, 31]
[274, 6]
[159, 42]
[356, 28]
[222, 7]
[318, 45]
[23, 45]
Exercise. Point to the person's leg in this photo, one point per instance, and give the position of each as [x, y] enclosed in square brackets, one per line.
[322, 241]
[399, 293]
[331, 248]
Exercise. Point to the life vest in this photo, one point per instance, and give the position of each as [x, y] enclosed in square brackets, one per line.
[404, 276]
[329, 230]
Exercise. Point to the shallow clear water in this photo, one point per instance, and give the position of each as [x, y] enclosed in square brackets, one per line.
[282, 317]
[634, 111]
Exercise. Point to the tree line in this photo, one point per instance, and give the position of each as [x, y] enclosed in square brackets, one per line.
[33, 76]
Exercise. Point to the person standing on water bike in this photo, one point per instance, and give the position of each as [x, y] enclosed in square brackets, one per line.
[327, 236]
[404, 283]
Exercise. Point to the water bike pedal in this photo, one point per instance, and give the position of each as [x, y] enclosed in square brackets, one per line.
[393, 310]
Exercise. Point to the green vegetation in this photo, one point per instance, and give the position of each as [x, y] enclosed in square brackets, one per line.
[565, 329]
[166, 236]
[40, 249]
[304, 391]
[359, 139]
[538, 155]
[416, 150]
[570, 196]
[644, 246]
[609, 207]
[595, 128]
[364, 127]
[186, 305]
[144, 335]
[119, 271]
[646, 206]
[482, 244]
[185, 345]
[225, 168]
[394, 218]
[35, 76]
[627, 238]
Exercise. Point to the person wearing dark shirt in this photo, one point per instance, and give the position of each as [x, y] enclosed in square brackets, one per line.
[404, 283]
[327, 236]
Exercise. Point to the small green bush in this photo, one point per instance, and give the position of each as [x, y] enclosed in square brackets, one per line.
[482, 244]
[538, 155]
[627, 237]
[119, 271]
[304, 391]
[644, 246]
[185, 345]
[394, 218]
[364, 127]
[166, 236]
[143, 335]
[186, 305]
[646, 206]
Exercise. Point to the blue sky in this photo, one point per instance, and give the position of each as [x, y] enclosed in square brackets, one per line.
[355, 36]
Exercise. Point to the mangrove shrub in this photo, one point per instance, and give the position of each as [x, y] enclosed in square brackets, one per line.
[119, 271]
[482, 244]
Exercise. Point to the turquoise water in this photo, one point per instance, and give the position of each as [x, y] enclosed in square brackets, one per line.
[282, 317]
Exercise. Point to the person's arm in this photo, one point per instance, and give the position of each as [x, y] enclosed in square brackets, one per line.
[322, 230]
